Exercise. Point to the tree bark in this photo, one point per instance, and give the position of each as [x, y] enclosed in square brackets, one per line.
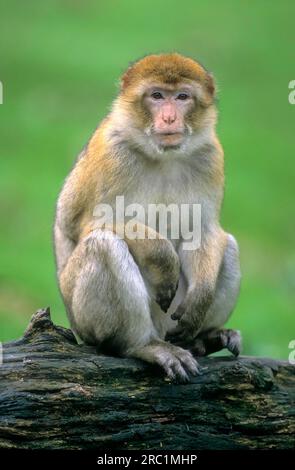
[57, 394]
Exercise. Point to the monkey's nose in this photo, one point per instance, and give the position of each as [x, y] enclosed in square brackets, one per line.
[169, 118]
[169, 114]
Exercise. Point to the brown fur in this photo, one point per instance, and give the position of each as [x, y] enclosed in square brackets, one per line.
[170, 69]
[118, 160]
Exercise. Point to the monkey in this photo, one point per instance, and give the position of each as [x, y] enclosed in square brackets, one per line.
[150, 298]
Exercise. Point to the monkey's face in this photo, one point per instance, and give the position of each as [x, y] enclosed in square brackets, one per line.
[166, 103]
[169, 112]
[170, 118]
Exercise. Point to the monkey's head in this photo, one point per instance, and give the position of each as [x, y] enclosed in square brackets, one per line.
[166, 102]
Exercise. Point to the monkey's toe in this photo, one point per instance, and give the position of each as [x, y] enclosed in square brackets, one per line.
[182, 365]
[234, 342]
[176, 372]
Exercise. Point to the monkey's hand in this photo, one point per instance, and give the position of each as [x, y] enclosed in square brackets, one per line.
[162, 269]
[166, 294]
[158, 262]
[190, 315]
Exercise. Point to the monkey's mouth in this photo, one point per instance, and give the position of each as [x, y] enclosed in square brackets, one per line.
[169, 139]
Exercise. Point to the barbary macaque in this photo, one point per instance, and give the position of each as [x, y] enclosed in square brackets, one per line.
[150, 297]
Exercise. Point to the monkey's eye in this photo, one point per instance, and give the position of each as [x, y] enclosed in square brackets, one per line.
[156, 95]
[182, 96]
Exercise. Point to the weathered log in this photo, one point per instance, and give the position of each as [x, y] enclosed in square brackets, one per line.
[57, 394]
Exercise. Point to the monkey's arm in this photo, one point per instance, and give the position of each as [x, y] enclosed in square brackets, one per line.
[69, 210]
[72, 210]
[201, 268]
[64, 247]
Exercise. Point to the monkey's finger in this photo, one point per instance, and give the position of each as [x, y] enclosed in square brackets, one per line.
[177, 314]
[164, 302]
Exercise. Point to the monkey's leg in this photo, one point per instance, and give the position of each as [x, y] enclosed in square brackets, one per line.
[109, 304]
[213, 337]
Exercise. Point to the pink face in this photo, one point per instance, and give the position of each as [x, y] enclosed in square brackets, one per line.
[169, 108]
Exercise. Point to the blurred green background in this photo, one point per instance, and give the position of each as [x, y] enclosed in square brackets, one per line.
[59, 65]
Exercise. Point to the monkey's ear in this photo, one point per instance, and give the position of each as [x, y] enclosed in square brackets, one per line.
[210, 84]
[124, 81]
[127, 76]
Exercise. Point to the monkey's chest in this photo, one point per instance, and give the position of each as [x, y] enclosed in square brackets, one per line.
[168, 203]
[164, 185]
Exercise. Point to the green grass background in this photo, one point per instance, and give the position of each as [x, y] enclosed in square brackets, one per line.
[59, 65]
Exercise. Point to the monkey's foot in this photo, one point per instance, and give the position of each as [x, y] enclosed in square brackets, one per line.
[177, 363]
[215, 340]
